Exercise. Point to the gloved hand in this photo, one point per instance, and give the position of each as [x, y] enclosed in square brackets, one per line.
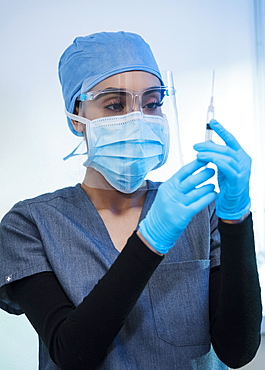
[234, 166]
[177, 201]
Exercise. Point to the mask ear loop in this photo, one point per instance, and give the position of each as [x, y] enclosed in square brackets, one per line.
[75, 117]
[73, 153]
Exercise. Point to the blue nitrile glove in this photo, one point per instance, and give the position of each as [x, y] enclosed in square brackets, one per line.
[176, 202]
[234, 166]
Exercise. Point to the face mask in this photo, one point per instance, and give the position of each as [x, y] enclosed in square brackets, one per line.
[125, 148]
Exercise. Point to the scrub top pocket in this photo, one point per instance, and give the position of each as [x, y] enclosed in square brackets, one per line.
[180, 299]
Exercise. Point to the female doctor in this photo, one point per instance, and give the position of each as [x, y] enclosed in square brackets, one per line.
[120, 272]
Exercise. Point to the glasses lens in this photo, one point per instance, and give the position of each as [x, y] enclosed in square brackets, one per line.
[118, 102]
[152, 100]
[112, 103]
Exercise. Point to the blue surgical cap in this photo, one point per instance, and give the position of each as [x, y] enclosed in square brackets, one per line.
[91, 59]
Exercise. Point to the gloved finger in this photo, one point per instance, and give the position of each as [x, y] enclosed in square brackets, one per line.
[202, 202]
[238, 159]
[197, 193]
[210, 146]
[225, 163]
[197, 179]
[187, 170]
[209, 150]
[228, 138]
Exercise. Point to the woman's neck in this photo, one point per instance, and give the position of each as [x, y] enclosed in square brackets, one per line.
[104, 196]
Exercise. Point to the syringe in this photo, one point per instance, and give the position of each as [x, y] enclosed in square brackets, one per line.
[210, 115]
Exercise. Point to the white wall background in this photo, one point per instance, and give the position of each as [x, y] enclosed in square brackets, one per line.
[190, 37]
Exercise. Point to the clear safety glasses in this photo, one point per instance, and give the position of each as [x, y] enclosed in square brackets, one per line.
[115, 101]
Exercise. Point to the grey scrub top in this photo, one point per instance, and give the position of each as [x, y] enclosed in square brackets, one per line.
[169, 326]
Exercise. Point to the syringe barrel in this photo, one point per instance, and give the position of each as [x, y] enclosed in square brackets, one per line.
[208, 132]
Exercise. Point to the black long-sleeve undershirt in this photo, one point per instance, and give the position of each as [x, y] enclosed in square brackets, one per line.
[237, 313]
[79, 337]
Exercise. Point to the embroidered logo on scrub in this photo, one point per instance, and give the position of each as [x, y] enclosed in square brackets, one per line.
[9, 279]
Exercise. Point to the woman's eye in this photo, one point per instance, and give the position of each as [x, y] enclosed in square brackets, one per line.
[153, 105]
[114, 106]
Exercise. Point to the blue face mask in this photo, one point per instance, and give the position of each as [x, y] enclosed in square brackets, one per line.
[125, 148]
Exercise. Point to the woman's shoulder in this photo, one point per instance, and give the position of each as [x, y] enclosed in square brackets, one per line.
[58, 196]
[67, 192]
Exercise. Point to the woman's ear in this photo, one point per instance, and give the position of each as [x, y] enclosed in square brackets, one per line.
[78, 126]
